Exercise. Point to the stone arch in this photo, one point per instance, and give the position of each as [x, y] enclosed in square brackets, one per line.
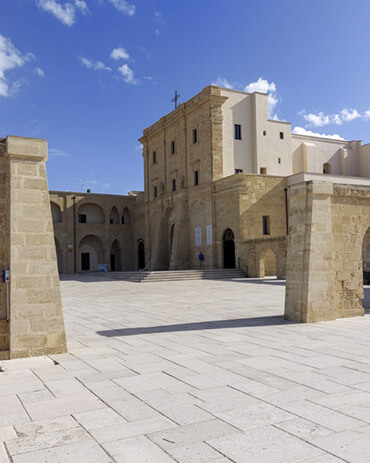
[267, 263]
[91, 213]
[56, 212]
[115, 256]
[90, 253]
[326, 168]
[114, 216]
[228, 248]
[59, 254]
[126, 218]
[141, 254]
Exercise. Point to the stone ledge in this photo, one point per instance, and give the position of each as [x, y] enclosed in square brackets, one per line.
[26, 148]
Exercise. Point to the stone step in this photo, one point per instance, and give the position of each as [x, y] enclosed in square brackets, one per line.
[176, 275]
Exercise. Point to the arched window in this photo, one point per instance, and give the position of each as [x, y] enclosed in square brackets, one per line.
[126, 216]
[326, 168]
[114, 216]
[228, 248]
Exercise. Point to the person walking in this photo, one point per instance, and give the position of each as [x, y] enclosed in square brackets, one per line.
[201, 260]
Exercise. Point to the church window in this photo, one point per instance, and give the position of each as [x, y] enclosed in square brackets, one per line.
[196, 177]
[279, 160]
[82, 218]
[173, 184]
[263, 170]
[281, 135]
[238, 171]
[172, 147]
[195, 136]
[155, 191]
[266, 224]
[238, 132]
[154, 157]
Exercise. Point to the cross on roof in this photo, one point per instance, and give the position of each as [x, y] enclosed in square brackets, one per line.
[174, 100]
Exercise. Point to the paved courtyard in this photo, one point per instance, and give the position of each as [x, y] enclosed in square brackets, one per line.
[188, 372]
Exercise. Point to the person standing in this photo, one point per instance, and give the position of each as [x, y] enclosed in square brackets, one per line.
[201, 260]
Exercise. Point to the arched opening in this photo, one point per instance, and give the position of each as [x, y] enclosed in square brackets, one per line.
[228, 248]
[91, 213]
[114, 216]
[141, 254]
[267, 263]
[58, 250]
[56, 213]
[126, 216]
[115, 253]
[326, 168]
[90, 254]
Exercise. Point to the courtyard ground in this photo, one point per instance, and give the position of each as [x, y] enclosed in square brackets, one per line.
[192, 371]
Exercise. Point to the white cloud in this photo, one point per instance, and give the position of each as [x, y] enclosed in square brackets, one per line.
[57, 153]
[157, 32]
[10, 58]
[264, 86]
[39, 72]
[220, 82]
[65, 12]
[321, 119]
[367, 114]
[94, 65]
[302, 131]
[119, 53]
[123, 6]
[128, 74]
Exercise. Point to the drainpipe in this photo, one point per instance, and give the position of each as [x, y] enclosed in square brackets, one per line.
[74, 235]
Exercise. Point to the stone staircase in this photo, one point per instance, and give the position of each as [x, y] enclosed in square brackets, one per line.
[174, 275]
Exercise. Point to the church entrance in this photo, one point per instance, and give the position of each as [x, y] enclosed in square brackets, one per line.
[85, 261]
[141, 254]
[229, 248]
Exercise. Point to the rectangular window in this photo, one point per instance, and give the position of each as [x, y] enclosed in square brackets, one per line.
[110, 220]
[172, 147]
[238, 171]
[281, 135]
[196, 177]
[238, 132]
[82, 218]
[123, 220]
[264, 133]
[173, 184]
[263, 170]
[195, 136]
[155, 191]
[154, 157]
[279, 160]
[266, 224]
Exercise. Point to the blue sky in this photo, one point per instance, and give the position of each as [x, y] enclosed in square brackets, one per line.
[89, 75]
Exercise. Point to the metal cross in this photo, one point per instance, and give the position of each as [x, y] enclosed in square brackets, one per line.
[174, 100]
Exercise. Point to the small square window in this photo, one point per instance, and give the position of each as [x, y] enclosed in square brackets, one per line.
[110, 220]
[279, 160]
[122, 220]
[238, 132]
[172, 147]
[196, 177]
[154, 157]
[82, 218]
[195, 136]
[281, 135]
[264, 133]
[155, 191]
[266, 224]
[238, 171]
[173, 184]
[263, 170]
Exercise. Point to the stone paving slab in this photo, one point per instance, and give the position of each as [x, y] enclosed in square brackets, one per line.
[190, 372]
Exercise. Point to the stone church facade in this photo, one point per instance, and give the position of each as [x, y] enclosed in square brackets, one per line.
[217, 172]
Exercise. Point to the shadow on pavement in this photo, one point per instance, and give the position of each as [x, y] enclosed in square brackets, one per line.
[208, 325]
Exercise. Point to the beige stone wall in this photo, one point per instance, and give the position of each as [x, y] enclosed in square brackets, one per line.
[36, 324]
[4, 249]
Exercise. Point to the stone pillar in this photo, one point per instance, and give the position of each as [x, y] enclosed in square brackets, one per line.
[36, 325]
[310, 291]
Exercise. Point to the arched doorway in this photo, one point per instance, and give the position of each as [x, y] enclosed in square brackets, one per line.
[267, 263]
[126, 216]
[90, 254]
[326, 168]
[114, 217]
[90, 213]
[115, 251]
[56, 213]
[141, 254]
[228, 248]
